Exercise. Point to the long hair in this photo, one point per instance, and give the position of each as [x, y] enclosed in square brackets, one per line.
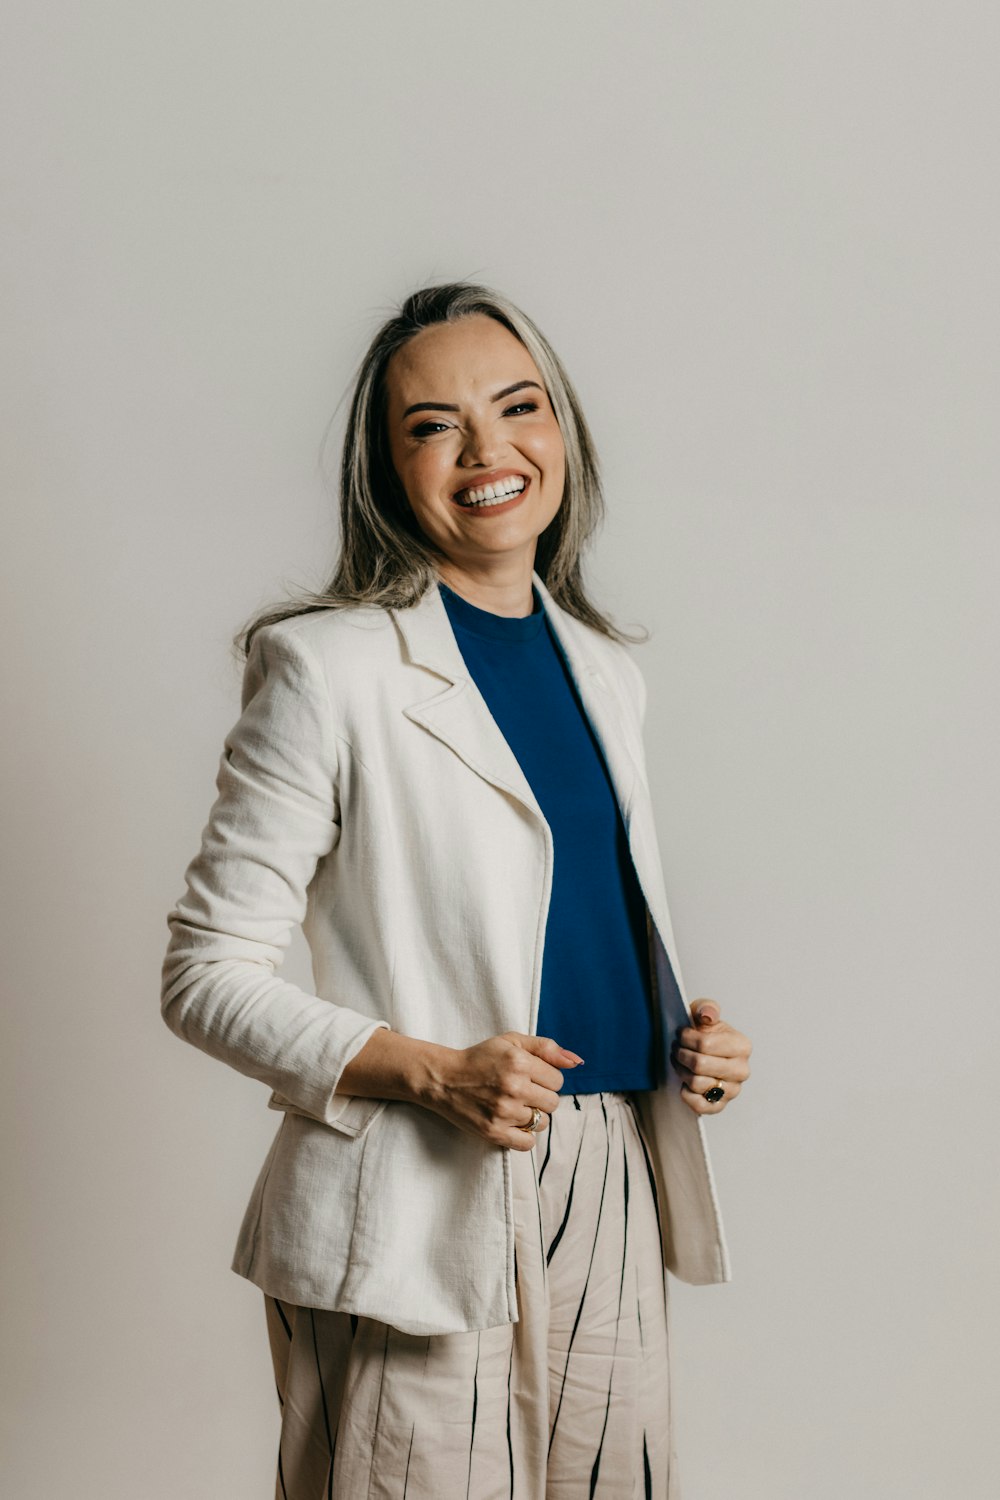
[385, 559]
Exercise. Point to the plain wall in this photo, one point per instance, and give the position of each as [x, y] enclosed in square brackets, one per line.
[764, 239]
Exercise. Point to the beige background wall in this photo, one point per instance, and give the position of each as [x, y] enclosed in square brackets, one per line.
[764, 238]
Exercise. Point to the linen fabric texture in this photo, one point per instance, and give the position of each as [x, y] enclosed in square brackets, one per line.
[573, 1399]
[367, 793]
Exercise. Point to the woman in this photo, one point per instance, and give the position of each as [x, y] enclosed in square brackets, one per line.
[486, 1163]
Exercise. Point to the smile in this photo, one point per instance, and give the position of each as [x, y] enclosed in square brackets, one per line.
[504, 493]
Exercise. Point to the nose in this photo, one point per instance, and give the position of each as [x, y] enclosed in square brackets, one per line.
[481, 447]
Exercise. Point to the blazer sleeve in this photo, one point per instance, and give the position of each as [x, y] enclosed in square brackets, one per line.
[275, 816]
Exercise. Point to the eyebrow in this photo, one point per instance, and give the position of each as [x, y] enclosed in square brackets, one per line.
[508, 390]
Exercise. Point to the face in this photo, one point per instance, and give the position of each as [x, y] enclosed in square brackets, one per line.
[476, 445]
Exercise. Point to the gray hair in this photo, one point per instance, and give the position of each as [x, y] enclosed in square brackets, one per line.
[385, 559]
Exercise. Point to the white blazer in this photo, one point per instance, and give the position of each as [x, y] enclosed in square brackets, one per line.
[367, 793]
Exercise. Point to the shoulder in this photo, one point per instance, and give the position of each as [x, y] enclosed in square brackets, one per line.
[324, 637]
[321, 631]
[614, 661]
[322, 650]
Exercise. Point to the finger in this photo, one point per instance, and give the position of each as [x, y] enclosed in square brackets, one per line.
[725, 1042]
[527, 1063]
[524, 1117]
[532, 1097]
[501, 1132]
[550, 1051]
[704, 1086]
[519, 1140]
[701, 1083]
[701, 1106]
[701, 1060]
[549, 1060]
[706, 1065]
[541, 1075]
[522, 1137]
[508, 1125]
[706, 1012]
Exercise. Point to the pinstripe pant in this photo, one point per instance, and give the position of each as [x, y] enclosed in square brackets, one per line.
[570, 1402]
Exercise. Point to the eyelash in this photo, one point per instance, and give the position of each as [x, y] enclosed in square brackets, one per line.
[421, 430]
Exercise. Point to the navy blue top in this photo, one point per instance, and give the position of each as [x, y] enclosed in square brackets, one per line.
[595, 993]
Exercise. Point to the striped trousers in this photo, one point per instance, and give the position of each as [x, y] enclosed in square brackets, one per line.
[570, 1402]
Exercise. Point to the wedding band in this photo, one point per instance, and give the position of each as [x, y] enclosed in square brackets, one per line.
[536, 1120]
[715, 1093]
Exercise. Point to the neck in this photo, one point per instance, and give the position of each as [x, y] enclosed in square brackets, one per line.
[503, 593]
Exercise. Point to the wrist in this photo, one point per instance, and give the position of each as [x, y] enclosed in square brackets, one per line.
[426, 1074]
[393, 1066]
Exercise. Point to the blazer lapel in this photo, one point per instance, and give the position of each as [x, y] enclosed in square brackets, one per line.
[597, 699]
[457, 714]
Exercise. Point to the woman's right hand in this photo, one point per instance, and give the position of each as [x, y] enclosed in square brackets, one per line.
[491, 1089]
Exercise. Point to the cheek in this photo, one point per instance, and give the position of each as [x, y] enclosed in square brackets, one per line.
[553, 459]
[545, 448]
[421, 475]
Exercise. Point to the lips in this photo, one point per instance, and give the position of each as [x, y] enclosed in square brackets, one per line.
[495, 477]
[492, 495]
[489, 506]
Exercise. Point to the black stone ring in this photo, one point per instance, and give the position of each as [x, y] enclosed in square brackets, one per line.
[714, 1094]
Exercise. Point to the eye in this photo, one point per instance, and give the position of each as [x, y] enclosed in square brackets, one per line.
[426, 429]
[522, 406]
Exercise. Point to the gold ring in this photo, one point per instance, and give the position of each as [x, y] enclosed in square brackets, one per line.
[536, 1120]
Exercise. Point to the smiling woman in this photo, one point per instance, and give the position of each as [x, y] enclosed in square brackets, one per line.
[491, 1148]
[385, 558]
[485, 477]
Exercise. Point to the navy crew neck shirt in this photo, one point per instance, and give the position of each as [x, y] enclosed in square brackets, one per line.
[596, 995]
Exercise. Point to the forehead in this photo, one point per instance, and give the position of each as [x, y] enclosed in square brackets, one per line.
[451, 361]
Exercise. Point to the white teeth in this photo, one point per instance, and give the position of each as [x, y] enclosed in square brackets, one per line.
[492, 494]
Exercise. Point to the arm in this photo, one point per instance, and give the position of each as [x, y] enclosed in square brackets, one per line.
[487, 1090]
[275, 816]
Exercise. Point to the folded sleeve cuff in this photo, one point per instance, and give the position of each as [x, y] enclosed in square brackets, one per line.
[348, 1113]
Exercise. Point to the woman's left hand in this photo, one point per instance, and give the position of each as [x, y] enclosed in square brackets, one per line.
[710, 1054]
